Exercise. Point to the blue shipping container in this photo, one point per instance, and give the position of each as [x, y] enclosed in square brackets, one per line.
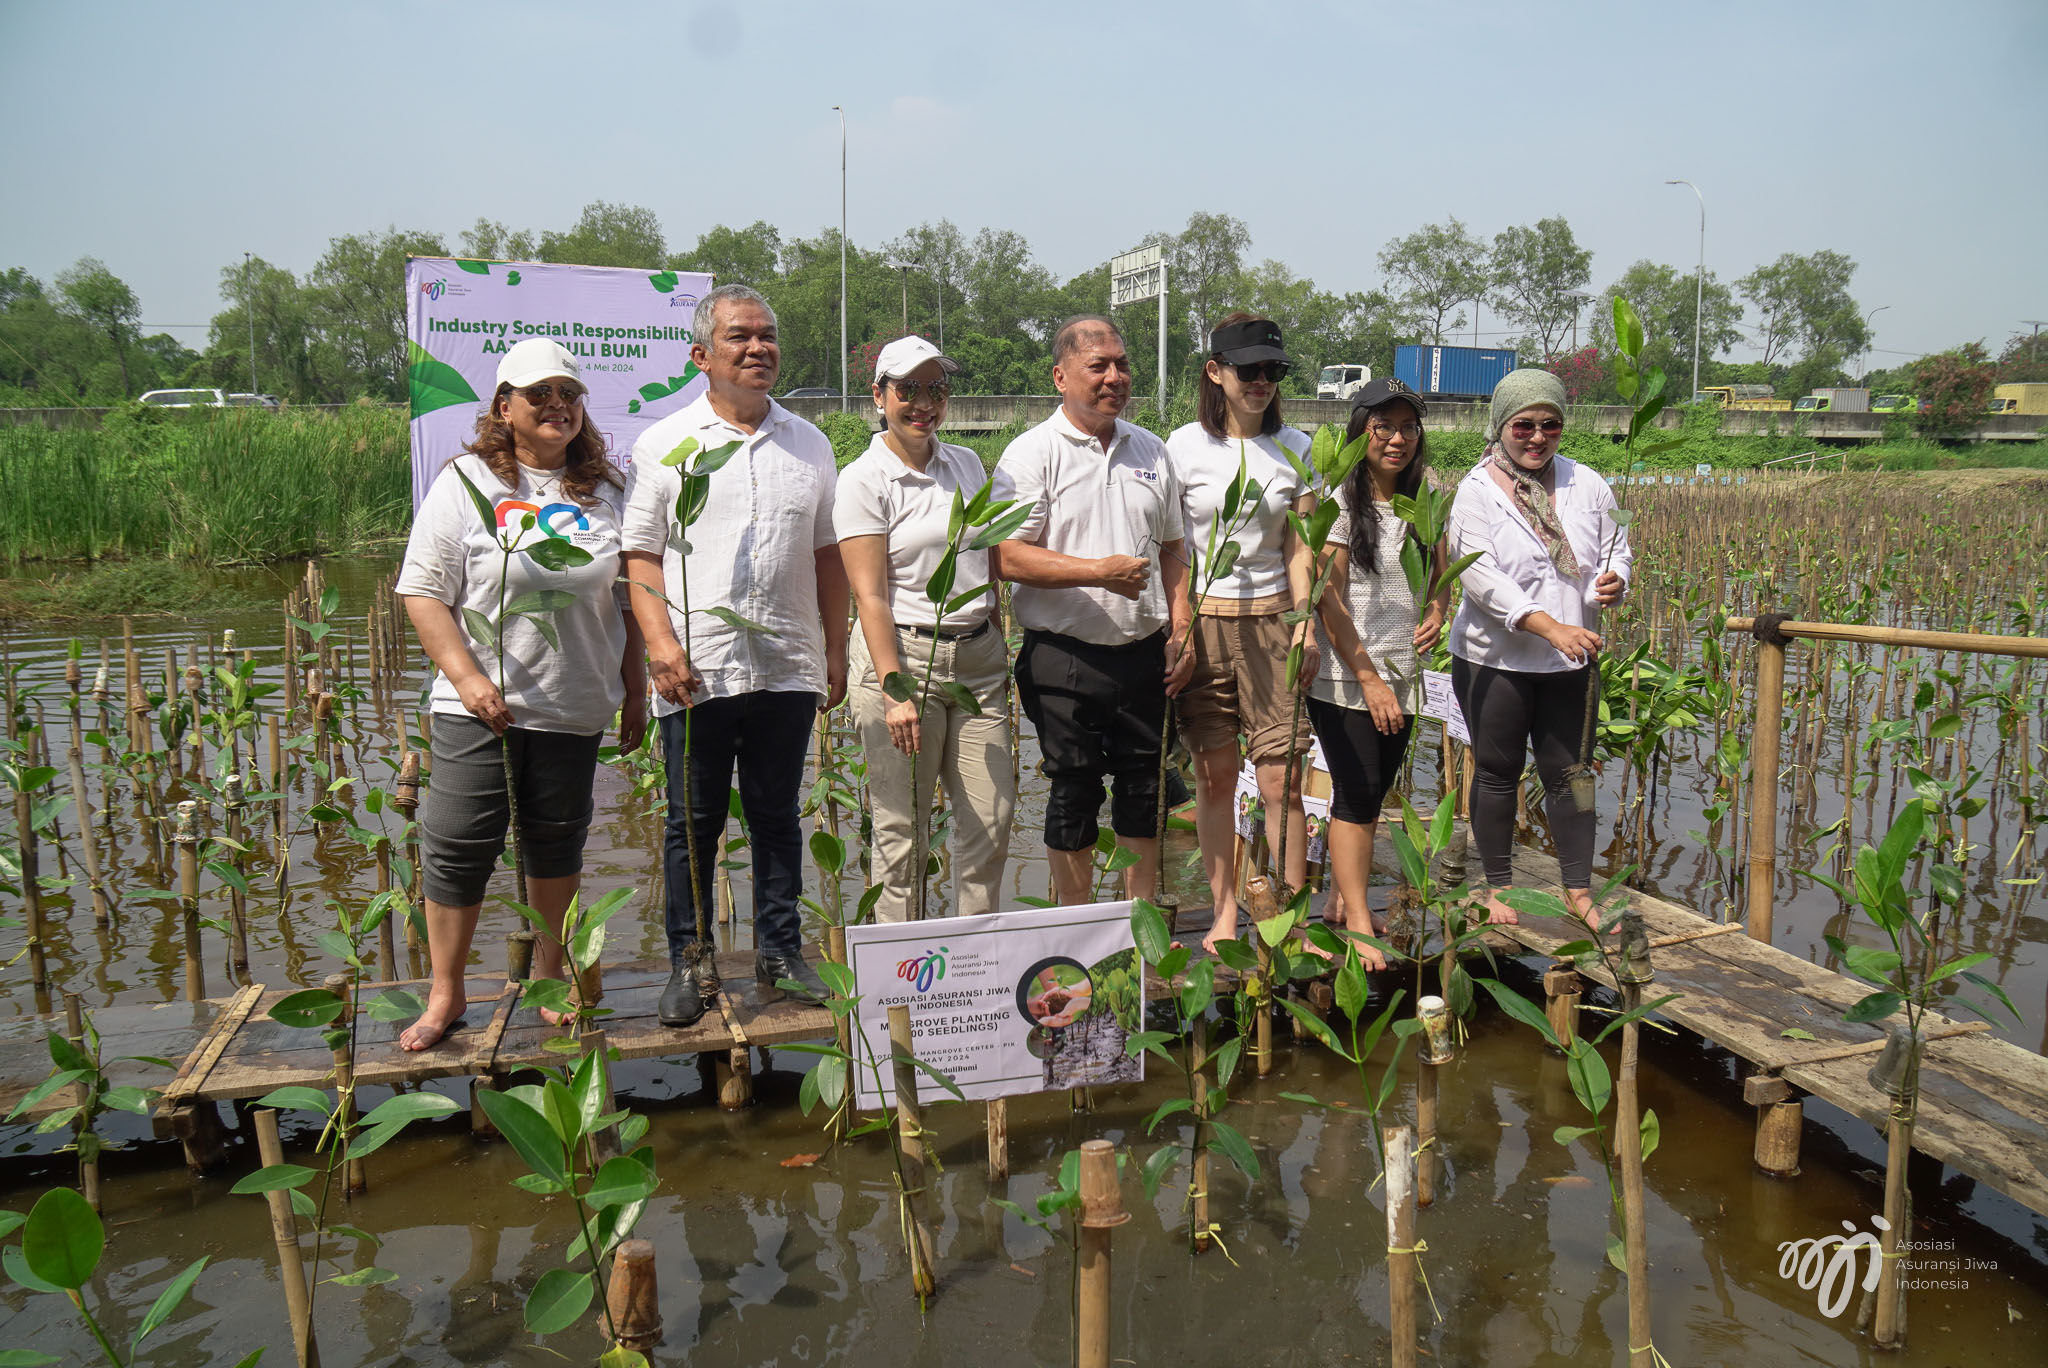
[1452, 372]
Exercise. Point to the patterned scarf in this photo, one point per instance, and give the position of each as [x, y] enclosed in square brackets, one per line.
[1527, 491]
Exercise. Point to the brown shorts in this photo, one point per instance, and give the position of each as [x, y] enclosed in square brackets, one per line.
[1240, 688]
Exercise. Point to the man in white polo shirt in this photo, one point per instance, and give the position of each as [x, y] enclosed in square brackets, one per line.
[1102, 597]
[745, 692]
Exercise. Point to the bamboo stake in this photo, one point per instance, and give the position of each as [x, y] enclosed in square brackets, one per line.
[1435, 1015]
[238, 904]
[284, 1228]
[88, 1169]
[998, 1140]
[1634, 972]
[101, 913]
[355, 1180]
[1763, 792]
[910, 1132]
[31, 886]
[408, 803]
[186, 837]
[1198, 1183]
[1102, 1210]
[1401, 1248]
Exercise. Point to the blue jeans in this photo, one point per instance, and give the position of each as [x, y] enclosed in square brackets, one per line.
[767, 736]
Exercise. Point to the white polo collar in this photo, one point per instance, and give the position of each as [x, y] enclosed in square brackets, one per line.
[1065, 427]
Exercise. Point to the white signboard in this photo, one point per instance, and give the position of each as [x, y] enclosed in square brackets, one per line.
[1136, 276]
[629, 331]
[1251, 807]
[1007, 1003]
[1441, 702]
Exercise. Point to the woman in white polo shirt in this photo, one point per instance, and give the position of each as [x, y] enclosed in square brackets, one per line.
[533, 704]
[1241, 644]
[1528, 629]
[893, 512]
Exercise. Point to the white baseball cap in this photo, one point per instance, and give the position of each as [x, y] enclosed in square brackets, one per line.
[906, 354]
[534, 360]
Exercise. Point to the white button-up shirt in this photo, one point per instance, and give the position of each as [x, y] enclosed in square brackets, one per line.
[882, 495]
[1514, 575]
[1091, 503]
[751, 550]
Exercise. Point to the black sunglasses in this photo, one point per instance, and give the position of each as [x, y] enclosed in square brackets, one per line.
[1270, 371]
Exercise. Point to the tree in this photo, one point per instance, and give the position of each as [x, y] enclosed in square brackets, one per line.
[1204, 261]
[357, 311]
[1533, 272]
[1003, 285]
[1805, 300]
[999, 365]
[1956, 387]
[284, 334]
[1432, 271]
[805, 297]
[1663, 298]
[490, 240]
[937, 255]
[2024, 360]
[609, 235]
[736, 256]
[104, 302]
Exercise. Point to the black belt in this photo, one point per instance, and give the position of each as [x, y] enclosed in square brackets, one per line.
[948, 633]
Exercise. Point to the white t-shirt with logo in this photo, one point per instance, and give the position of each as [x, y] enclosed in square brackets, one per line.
[453, 557]
[1207, 466]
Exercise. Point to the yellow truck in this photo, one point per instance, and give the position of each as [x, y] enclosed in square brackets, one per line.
[2020, 399]
[1754, 397]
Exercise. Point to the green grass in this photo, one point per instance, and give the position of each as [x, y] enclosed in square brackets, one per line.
[212, 487]
[138, 587]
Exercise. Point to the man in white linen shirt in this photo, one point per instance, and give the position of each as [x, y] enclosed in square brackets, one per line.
[744, 693]
[1101, 577]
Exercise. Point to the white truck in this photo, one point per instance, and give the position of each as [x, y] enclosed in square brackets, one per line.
[1342, 381]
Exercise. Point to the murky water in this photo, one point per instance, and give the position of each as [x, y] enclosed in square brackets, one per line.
[762, 1263]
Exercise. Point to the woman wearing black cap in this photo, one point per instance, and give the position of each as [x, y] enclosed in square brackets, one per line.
[1363, 701]
[1240, 642]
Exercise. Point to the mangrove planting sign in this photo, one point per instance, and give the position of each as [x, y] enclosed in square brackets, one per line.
[1006, 1003]
[628, 330]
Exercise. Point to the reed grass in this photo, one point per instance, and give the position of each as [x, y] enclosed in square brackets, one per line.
[212, 487]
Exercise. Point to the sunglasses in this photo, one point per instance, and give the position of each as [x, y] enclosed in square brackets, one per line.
[540, 395]
[1526, 428]
[1270, 371]
[1410, 430]
[934, 391]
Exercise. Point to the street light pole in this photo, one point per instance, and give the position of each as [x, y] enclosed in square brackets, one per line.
[2034, 345]
[842, 257]
[1699, 293]
[1866, 336]
[249, 307]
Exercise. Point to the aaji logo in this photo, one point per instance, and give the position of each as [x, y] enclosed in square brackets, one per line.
[1828, 1264]
[544, 518]
[433, 289]
[922, 971]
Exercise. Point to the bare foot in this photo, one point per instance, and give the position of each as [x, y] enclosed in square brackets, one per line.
[1499, 913]
[1313, 948]
[1580, 903]
[442, 1016]
[553, 1017]
[1221, 931]
[1370, 957]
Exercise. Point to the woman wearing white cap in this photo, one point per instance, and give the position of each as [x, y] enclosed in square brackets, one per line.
[540, 696]
[893, 512]
[1242, 640]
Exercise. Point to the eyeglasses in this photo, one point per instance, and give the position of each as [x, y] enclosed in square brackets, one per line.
[934, 391]
[1270, 371]
[1526, 428]
[1410, 430]
[542, 394]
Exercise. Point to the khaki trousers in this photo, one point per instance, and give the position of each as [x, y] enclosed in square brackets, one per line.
[971, 754]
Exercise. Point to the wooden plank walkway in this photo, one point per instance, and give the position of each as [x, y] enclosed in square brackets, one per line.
[1983, 1105]
[1983, 1101]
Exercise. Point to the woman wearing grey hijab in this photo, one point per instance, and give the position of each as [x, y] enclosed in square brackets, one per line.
[1526, 636]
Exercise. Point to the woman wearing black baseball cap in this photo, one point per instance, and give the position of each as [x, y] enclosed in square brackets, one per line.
[1363, 701]
[1239, 688]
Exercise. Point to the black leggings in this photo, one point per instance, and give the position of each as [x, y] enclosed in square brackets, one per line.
[1507, 711]
[1363, 760]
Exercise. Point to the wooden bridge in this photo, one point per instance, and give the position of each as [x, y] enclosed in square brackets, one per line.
[1983, 1102]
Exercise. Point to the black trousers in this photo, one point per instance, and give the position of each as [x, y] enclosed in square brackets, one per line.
[1363, 759]
[1508, 713]
[1099, 711]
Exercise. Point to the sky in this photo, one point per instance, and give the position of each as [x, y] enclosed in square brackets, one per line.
[168, 140]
